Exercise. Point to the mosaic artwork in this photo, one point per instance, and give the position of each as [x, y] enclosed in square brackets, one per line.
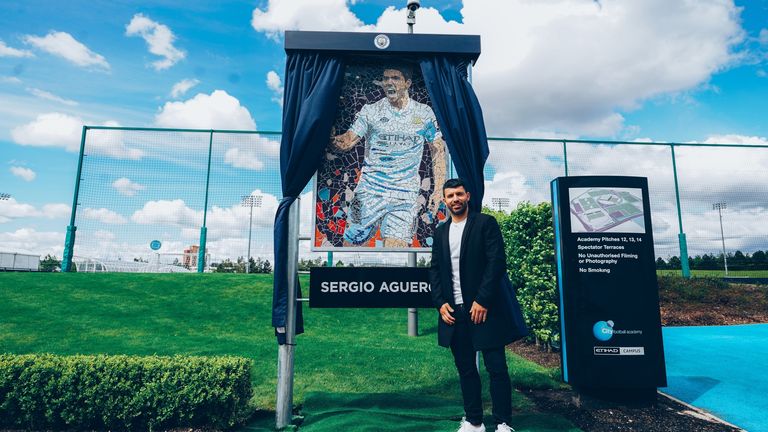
[376, 187]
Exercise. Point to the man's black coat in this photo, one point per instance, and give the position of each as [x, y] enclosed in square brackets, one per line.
[483, 278]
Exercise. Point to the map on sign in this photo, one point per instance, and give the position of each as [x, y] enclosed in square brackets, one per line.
[606, 210]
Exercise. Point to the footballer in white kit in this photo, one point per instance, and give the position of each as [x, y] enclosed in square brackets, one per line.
[395, 129]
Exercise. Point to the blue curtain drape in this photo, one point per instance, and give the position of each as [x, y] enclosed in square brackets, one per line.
[460, 118]
[312, 87]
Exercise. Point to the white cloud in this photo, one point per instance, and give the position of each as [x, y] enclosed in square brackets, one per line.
[222, 222]
[6, 51]
[251, 151]
[12, 209]
[243, 158]
[25, 174]
[126, 187]
[104, 236]
[63, 45]
[51, 129]
[567, 66]
[283, 15]
[42, 94]
[218, 110]
[736, 139]
[158, 37]
[29, 240]
[103, 215]
[10, 79]
[276, 85]
[57, 211]
[165, 212]
[63, 130]
[182, 87]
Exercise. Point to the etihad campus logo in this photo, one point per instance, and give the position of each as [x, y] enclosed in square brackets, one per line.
[603, 330]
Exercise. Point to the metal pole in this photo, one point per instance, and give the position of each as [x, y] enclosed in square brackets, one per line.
[720, 207]
[413, 313]
[250, 228]
[284, 406]
[684, 266]
[204, 229]
[565, 157]
[329, 262]
[69, 242]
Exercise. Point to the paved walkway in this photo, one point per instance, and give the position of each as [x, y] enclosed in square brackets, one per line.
[721, 369]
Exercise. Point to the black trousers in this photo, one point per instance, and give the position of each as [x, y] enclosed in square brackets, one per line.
[469, 378]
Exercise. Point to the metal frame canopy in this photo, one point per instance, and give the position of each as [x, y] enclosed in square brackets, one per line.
[381, 46]
[391, 43]
[461, 49]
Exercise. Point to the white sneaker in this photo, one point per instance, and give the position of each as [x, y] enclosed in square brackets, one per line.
[469, 427]
[504, 428]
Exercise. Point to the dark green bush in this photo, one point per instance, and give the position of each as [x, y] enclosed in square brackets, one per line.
[122, 392]
[529, 241]
[675, 288]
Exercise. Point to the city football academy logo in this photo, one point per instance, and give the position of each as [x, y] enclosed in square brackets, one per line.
[603, 330]
[381, 41]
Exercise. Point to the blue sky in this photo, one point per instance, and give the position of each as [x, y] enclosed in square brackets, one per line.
[650, 70]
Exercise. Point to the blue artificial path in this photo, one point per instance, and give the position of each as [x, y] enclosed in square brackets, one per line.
[721, 369]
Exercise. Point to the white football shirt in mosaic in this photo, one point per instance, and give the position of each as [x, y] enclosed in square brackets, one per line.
[394, 144]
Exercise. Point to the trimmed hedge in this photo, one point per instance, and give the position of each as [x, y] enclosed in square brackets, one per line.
[122, 392]
[529, 242]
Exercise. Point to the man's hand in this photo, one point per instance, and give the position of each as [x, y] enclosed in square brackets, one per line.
[478, 313]
[345, 141]
[445, 313]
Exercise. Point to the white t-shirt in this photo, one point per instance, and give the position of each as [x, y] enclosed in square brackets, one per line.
[394, 144]
[454, 241]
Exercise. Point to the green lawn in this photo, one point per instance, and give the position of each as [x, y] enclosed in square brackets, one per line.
[343, 350]
[718, 273]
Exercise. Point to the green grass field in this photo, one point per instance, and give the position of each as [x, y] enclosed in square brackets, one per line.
[343, 350]
[718, 273]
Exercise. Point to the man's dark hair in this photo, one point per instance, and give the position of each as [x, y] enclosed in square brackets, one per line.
[404, 68]
[453, 183]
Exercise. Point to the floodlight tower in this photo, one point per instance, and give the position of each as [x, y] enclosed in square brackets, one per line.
[250, 201]
[720, 206]
[500, 203]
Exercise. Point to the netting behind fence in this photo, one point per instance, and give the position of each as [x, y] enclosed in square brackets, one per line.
[138, 186]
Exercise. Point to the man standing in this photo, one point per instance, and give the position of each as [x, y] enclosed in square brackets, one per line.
[395, 129]
[468, 264]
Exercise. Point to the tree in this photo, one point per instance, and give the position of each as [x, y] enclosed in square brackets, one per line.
[739, 260]
[266, 267]
[759, 261]
[226, 266]
[674, 263]
[661, 264]
[50, 264]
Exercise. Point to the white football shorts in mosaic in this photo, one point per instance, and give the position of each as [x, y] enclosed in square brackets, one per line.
[395, 216]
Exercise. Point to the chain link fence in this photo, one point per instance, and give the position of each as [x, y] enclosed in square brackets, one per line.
[193, 200]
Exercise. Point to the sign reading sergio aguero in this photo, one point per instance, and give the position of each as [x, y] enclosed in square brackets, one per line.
[379, 186]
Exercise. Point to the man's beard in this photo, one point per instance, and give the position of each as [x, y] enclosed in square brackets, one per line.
[460, 211]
